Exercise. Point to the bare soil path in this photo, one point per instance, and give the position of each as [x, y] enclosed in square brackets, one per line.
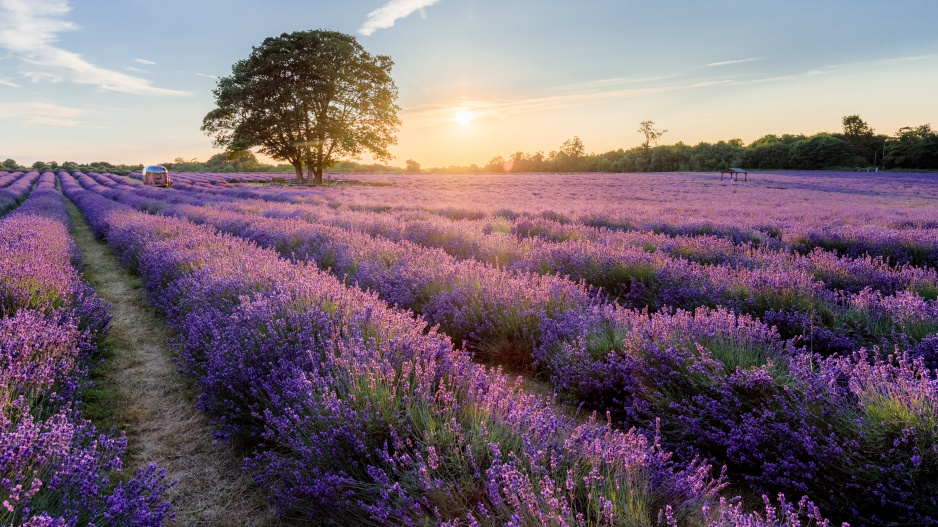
[142, 393]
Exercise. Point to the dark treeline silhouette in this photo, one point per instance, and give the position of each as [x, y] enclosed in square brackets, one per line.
[857, 147]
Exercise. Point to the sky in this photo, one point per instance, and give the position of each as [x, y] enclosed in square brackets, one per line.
[129, 81]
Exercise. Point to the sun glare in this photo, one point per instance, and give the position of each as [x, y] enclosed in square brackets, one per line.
[464, 117]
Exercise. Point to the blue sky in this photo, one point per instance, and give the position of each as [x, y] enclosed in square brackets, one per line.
[129, 81]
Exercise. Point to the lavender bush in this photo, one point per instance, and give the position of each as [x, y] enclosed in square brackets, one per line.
[17, 188]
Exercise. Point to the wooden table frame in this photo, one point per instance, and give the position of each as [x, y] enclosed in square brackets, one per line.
[734, 173]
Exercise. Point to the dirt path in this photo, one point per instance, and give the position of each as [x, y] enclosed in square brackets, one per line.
[144, 395]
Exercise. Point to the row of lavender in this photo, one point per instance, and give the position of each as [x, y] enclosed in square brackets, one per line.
[483, 239]
[8, 177]
[781, 288]
[355, 410]
[198, 178]
[14, 188]
[724, 385]
[835, 304]
[56, 469]
[892, 221]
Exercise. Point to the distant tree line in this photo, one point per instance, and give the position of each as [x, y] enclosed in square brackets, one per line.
[242, 161]
[246, 161]
[224, 162]
[857, 147]
[69, 166]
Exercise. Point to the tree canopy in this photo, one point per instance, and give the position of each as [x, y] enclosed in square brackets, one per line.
[913, 147]
[569, 158]
[412, 166]
[856, 127]
[307, 97]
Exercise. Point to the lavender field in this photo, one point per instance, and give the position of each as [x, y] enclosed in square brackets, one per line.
[524, 349]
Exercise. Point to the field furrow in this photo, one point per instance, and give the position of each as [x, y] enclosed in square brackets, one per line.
[145, 395]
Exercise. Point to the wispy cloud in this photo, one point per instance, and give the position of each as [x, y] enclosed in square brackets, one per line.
[29, 31]
[144, 61]
[877, 62]
[481, 109]
[727, 62]
[136, 70]
[617, 81]
[384, 17]
[811, 73]
[41, 113]
[9, 83]
[207, 75]
[52, 121]
[906, 59]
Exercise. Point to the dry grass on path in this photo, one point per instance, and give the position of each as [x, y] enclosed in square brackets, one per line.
[140, 392]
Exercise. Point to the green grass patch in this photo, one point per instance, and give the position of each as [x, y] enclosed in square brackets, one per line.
[928, 291]
[744, 355]
[605, 339]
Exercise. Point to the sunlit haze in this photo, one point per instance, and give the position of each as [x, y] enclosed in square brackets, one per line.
[129, 82]
[464, 117]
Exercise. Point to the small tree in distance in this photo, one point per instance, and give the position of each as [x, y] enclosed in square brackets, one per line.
[651, 134]
[413, 166]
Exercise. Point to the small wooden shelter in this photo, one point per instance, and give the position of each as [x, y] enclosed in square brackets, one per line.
[734, 174]
[156, 176]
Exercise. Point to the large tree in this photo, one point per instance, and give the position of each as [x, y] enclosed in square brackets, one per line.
[308, 97]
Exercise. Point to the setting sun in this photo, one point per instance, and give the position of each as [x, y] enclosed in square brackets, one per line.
[464, 117]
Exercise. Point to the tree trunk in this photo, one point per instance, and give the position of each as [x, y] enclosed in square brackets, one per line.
[298, 166]
[310, 168]
[318, 174]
